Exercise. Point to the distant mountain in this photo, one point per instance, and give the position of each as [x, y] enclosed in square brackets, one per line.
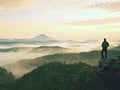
[21, 67]
[116, 48]
[50, 49]
[15, 49]
[42, 37]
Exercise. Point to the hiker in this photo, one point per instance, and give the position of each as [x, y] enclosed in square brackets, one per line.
[105, 44]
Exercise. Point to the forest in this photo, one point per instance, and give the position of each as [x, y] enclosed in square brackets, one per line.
[63, 76]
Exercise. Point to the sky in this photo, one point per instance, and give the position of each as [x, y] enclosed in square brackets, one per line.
[60, 19]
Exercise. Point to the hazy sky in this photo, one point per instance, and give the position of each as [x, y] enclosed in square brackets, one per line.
[61, 19]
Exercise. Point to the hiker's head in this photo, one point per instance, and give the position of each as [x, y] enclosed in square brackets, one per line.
[104, 39]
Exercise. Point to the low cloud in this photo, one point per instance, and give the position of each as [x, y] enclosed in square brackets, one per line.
[109, 6]
[18, 4]
[96, 22]
[14, 5]
[24, 4]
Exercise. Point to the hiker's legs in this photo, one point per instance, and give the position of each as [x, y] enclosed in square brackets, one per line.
[102, 54]
[106, 53]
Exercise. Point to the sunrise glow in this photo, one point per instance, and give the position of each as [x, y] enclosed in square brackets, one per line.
[61, 19]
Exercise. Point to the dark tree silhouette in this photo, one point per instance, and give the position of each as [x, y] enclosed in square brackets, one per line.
[109, 70]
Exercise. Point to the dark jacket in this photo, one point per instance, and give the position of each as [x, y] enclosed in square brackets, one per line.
[105, 44]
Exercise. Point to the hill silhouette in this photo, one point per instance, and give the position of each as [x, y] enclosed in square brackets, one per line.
[90, 58]
[49, 49]
[109, 70]
[61, 76]
[5, 79]
[64, 76]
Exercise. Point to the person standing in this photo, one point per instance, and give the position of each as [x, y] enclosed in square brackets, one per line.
[105, 45]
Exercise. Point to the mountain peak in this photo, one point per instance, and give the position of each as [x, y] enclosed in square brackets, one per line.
[42, 37]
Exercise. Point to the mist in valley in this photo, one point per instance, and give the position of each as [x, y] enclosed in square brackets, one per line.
[22, 56]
